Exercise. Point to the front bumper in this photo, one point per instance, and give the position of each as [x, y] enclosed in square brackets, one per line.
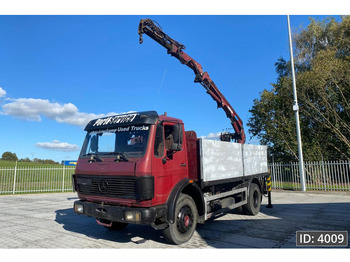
[133, 215]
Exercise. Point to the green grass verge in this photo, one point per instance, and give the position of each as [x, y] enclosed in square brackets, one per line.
[22, 164]
[322, 187]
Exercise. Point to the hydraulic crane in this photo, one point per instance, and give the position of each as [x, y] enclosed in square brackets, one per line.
[174, 48]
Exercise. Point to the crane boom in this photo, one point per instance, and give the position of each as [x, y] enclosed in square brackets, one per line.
[174, 48]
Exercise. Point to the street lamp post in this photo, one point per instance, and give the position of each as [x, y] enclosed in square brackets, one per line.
[296, 110]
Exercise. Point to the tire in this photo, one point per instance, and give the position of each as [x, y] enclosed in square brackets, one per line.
[186, 217]
[254, 200]
[117, 226]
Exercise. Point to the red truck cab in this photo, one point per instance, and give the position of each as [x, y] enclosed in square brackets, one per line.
[129, 166]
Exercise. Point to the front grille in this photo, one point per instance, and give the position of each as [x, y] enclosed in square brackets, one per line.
[109, 186]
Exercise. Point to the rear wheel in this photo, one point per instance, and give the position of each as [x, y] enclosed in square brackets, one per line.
[254, 200]
[186, 217]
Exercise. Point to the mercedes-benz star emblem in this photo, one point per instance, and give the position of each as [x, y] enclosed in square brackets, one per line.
[103, 186]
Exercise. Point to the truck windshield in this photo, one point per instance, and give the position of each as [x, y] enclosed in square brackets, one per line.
[129, 140]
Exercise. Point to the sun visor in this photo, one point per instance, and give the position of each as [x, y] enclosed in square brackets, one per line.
[111, 122]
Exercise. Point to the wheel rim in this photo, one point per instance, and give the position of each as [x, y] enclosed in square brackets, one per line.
[185, 219]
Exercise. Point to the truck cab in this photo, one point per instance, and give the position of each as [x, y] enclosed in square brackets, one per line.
[128, 166]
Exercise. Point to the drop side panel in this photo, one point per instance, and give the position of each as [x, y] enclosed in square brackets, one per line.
[255, 159]
[220, 160]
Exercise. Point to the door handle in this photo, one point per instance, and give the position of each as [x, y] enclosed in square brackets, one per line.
[182, 164]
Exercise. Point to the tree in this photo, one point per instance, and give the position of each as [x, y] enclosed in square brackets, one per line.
[25, 160]
[322, 55]
[8, 156]
[45, 161]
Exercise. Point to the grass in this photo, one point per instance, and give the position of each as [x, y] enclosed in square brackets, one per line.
[318, 187]
[21, 164]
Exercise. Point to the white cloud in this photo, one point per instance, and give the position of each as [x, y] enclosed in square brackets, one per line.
[212, 136]
[33, 109]
[2, 92]
[58, 146]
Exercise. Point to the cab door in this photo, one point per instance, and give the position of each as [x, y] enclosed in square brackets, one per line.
[169, 160]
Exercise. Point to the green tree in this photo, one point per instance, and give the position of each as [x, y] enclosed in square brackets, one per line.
[322, 55]
[45, 161]
[8, 156]
[25, 160]
[49, 162]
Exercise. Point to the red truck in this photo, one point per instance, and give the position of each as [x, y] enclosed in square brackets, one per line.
[144, 168]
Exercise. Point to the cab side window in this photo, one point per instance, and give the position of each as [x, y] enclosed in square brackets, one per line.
[159, 142]
[169, 136]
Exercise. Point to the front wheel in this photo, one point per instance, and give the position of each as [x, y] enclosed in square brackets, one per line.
[254, 200]
[186, 217]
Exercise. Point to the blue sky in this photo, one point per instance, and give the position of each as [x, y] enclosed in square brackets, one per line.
[58, 72]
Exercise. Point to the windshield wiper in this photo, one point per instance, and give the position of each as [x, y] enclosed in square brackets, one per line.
[120, 157]
[94, 158]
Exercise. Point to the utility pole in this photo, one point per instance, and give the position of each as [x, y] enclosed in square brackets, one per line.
[296, 110]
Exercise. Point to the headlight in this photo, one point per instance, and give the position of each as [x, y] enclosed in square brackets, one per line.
[78, 208]
[132, 216]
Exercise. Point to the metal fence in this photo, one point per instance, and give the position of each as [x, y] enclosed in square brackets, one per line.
[32, 179]
[319, 175]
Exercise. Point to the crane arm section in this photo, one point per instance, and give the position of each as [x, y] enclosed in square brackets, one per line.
[174, 48]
